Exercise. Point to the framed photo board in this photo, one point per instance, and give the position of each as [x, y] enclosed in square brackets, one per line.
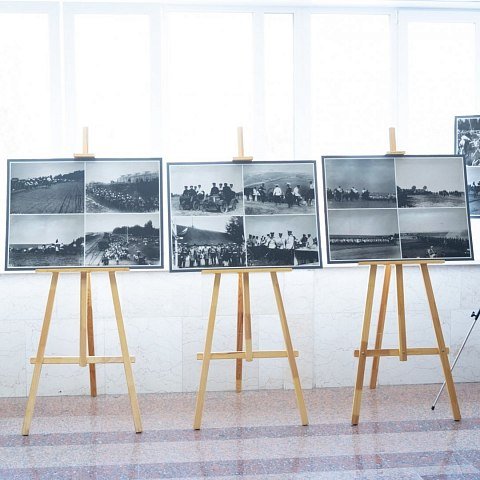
[243, 215]
[396, 208]
[84, 213]
[467, 143]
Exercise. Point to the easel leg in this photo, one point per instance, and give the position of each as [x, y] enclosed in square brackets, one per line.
[83, 320]
[239, 361]
[289, 347]
[206, 354]
[40, 355]
[441, 343]
[362, 359]
[402, 331]
[248, 318]
[381, 324]
[91, 337]
[126, 356]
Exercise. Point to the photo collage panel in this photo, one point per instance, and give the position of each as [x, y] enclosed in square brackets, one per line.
[467, 143]
[84, 213]
[396, 208]
[243, 215]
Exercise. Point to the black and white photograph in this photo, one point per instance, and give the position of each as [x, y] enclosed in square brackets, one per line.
[360, 182]
[282, 240]
[467, 139]
[45, 241]
[435, 233]
[272, 188]
[207, 189]
[46, 187]
[363, 234]
[122, 239]
[116, 186]
[207, 242]
[437, 181]
[473, 186]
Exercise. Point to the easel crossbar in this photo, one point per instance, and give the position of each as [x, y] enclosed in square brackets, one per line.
[76, 360]
[394, 352]
[243, 355]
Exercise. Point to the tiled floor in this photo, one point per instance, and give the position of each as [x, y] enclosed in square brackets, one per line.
[252, 435]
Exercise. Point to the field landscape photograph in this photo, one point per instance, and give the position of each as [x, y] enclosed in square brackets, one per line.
[473, 184]
[360, 182]
[279, 188]
[116, 239]
[434, 233]
[282, 240]
[46, 187]
[430, 182]
[206, 189]
[122, 186]
[368, 234]
[45, 241]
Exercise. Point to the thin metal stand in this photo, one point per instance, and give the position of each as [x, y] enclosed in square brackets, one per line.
[476, 316]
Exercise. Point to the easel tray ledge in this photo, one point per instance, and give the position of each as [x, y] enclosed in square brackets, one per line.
[403, 262]
[82, 270]
[247, 270]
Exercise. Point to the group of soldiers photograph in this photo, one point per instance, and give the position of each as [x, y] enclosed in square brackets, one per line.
[278, 249]
[222, 255]
[121, 200]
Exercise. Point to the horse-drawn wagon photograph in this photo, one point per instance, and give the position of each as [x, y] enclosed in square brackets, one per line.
[279, 188]
[205, 189]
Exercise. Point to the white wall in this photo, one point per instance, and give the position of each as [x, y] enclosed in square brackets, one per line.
[166, 314]
[282, 99]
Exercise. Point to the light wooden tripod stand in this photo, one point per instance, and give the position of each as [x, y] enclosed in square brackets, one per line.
[86, 340]
[403, 352]
[244, 328]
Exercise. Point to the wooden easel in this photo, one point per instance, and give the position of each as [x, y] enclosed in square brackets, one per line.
[402, 351]
[244, 329]
[86, 340]
[244, 326]
[86, 331]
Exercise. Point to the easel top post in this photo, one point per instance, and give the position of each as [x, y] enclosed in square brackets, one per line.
[241, 154]
[392, 138]
[85, 153]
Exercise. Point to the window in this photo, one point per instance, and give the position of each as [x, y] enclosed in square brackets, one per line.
[25, 114]
[279, 86]
[441, 83]
[209, 84]
[112, 82]
[351, 95]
